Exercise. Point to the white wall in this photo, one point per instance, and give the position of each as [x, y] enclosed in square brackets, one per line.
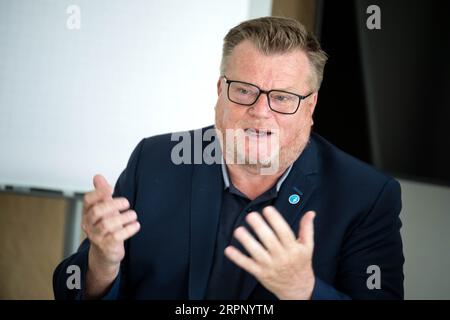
[75, 102]
[426, 240]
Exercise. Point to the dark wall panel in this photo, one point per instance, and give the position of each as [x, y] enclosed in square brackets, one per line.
[385, 97]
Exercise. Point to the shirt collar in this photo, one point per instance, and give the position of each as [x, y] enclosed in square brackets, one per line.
[226, 178]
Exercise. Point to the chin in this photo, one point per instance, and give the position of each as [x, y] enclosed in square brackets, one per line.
[267, 164]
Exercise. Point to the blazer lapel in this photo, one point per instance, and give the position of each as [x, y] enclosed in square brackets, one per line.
[207, 187]
[301, 183]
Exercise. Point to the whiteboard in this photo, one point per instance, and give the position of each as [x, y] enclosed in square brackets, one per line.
[76, 101]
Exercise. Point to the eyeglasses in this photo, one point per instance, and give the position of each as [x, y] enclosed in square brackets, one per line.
[246, 94]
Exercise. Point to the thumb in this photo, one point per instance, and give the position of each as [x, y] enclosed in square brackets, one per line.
[306, 231]
[100, 183]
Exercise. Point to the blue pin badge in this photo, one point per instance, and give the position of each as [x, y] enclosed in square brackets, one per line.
[294, 198]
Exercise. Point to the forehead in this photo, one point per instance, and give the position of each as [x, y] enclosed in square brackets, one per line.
[280, 70]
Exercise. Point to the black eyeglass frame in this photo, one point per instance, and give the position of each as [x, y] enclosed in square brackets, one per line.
[228, 81]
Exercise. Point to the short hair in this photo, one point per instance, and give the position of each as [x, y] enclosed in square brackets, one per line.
[273, 35]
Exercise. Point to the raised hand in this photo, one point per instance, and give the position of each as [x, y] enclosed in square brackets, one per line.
[107, 223]
[280, 261]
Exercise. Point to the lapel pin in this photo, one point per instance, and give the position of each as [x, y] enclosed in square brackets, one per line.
[294, 198]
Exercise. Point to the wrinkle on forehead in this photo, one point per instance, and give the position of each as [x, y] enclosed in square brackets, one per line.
[287, 71]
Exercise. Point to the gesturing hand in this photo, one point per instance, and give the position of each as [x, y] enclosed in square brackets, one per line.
[107, 223]
[281, 262]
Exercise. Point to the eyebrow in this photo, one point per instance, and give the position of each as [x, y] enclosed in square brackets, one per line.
[288, 89]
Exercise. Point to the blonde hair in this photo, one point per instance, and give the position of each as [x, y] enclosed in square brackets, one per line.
[272, 35]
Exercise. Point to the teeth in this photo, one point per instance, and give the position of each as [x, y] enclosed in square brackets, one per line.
[257, 133]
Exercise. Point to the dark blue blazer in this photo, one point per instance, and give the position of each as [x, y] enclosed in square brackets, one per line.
[357, 225]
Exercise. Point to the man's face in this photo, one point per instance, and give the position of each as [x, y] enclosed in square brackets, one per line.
[288, 72]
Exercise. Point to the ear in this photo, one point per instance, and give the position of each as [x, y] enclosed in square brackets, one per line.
[219, 86]
[313, 101]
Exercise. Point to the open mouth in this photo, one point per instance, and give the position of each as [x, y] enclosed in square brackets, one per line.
[253, 132]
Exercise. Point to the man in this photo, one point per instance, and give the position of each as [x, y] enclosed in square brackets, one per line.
[286, 215]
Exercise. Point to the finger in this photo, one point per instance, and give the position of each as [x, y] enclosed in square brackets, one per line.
[253, 247]
[281, 228]
[101, 183]
[95, 196]
[114, 223]
[264, 232]
[126, 232]
[306, 233]
[242, 260]
[103, 209]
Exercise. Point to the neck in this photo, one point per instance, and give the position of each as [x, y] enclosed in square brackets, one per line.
[252, 183]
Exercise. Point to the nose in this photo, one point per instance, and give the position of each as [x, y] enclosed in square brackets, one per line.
[261, 107]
